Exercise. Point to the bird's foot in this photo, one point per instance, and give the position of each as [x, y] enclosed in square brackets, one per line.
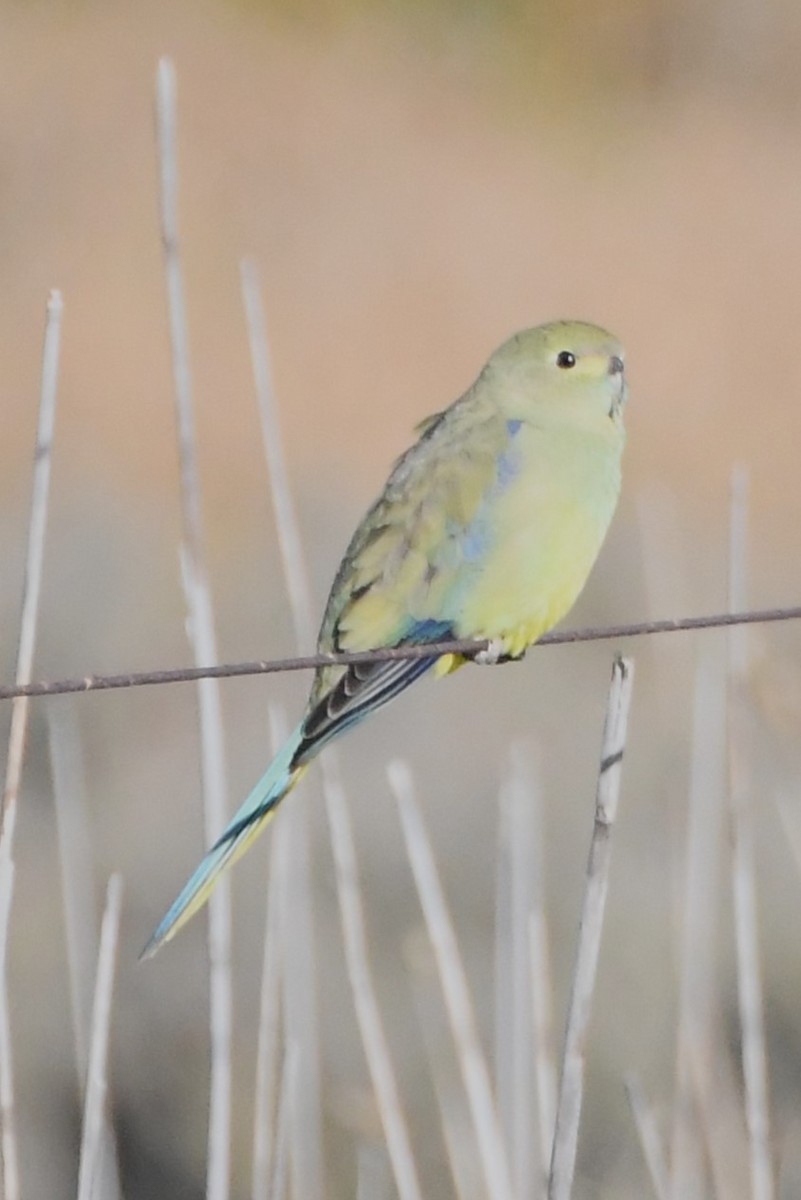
[495, 653]
[492, 655]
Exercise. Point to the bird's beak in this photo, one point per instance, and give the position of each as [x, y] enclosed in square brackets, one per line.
[616, 372]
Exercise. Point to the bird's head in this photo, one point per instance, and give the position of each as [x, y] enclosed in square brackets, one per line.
[566, 368]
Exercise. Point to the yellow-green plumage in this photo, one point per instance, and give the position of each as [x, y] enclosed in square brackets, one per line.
[486, 529]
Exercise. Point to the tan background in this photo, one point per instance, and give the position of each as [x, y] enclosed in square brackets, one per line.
[413, 186]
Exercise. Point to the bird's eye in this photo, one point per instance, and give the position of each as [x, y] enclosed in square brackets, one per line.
[565, 359]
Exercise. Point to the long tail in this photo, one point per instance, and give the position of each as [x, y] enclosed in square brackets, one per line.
[280, 778]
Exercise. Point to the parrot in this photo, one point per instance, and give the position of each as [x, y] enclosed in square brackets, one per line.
[486, 531]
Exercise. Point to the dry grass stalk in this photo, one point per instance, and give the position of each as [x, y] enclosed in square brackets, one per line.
[203, 640]
[541, 985]
[743, 868]
[10, 1180]
[31, 591]
[542, 1035]
[300, 1008]
[93, 1139]
[518, 864]
[698, 924]
[267, 1054]
[650, 1138]
[77, 870]
[299, 981]
[286, 1100]
[571, 1090]
[718, 1103]
[706, 1118]
[455, 988]
[80, 910]
[286, 520]
[368, 1014]
[457, 1132]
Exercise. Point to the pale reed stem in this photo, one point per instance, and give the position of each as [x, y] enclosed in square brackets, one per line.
[200, 612]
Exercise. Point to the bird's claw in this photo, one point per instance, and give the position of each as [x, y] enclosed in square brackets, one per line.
[492, 655]
[496, 653]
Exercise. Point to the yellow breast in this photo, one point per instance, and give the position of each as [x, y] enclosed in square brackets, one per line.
[547, 527]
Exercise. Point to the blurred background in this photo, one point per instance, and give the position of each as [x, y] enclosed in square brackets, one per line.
[414, 181]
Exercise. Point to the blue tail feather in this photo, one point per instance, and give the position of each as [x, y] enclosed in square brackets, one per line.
[252, 816]
[320, 726]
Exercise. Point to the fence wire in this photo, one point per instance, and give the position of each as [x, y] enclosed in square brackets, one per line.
[467, 648]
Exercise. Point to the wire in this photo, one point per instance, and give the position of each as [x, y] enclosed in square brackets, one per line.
[310, 662]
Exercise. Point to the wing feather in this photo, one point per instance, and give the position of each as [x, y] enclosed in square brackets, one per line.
[402, 574]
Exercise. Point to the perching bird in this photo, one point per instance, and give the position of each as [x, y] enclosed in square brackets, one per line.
[487, 529]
